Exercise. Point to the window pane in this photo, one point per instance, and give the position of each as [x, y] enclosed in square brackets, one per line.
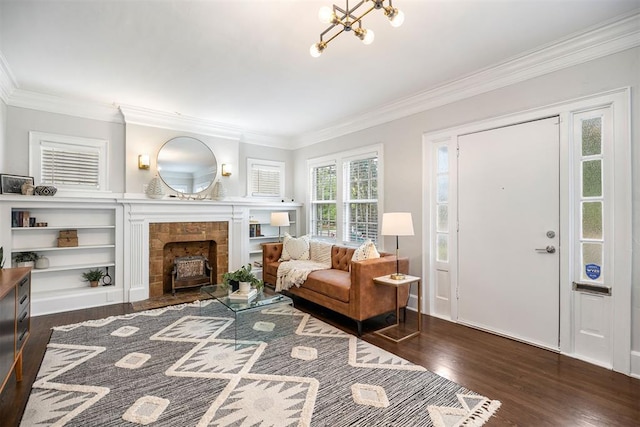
[443, 159]
[362, 222]
[592, 178]
[443, 218]
[443, 189]
[592, 220]
[592, 261]
[592, 136]
[324, 183]
[324, 220]
[442, 241]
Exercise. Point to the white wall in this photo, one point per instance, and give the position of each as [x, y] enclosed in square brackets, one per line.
[148, 140]
[22, 120]
[402, 142]
[3, 135]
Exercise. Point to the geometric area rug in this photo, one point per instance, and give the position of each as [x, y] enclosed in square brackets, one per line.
[184, 365]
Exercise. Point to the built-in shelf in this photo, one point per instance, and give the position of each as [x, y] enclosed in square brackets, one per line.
[68, 227]
[65, 248]
[73, 267]
[60, 286]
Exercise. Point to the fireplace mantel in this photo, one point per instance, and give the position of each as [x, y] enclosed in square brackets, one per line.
[140, 213]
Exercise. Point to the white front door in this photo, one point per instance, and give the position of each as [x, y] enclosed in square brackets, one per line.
[508, 235]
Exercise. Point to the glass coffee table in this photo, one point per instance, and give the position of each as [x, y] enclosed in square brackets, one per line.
[260, 329]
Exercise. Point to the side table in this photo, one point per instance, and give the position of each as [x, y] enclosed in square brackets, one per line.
[407, 281]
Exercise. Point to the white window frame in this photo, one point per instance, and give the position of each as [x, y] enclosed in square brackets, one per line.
[37, 140]
[340, 159]
[253, 164]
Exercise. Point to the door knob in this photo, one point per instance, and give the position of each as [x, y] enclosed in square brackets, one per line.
[549, 249]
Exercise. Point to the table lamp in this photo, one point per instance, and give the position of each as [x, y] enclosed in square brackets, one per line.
[279, 219]
[397, 224]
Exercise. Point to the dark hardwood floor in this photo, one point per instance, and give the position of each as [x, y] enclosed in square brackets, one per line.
[536, 387]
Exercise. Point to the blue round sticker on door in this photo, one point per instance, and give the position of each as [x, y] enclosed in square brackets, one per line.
[592, 270]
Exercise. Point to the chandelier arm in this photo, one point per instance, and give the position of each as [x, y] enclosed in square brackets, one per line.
[362, 16]
[334, 36]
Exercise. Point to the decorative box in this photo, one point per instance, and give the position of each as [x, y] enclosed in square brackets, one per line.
[67, 242]
[68, 234]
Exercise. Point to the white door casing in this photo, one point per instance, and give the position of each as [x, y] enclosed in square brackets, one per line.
[438, 274]
[508, 200]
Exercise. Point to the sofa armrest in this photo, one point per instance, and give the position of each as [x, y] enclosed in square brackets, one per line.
[271, 252]
[368, 299]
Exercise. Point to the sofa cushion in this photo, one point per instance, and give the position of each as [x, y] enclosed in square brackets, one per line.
[366, 251]
[295, 248]
[332, 283]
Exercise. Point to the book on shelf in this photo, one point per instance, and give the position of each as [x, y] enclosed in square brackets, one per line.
[243, 296]
[22, 219]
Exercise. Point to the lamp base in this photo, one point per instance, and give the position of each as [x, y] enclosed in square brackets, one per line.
[397, 276]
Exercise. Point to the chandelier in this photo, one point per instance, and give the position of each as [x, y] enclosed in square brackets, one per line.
[342, 20]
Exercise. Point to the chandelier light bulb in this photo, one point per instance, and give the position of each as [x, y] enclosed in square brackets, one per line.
[397, 19]
[368, 37]
[325, 14]
[316, 50]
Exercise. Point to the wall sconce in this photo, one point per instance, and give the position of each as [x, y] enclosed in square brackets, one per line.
[226, 170]
[144, 162]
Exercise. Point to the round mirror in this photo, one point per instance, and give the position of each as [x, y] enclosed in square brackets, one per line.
[187, 165]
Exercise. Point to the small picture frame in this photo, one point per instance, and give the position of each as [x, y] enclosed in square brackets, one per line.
[12, 184]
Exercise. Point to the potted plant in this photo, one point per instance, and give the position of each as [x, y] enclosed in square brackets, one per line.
[243, 274]
[93, 276]
[26, 259]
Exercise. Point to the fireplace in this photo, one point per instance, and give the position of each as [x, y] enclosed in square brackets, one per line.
[170, 240]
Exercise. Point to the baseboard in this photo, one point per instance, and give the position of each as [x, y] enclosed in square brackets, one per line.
[635, 364]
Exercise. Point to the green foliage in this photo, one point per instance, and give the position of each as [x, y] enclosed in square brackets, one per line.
[93, 275]
[26, 257]
[243, 274]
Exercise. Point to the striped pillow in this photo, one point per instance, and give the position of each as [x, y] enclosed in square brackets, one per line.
[321, 252]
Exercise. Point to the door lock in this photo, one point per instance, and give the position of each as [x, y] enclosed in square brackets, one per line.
[551, 234]
[549, 249]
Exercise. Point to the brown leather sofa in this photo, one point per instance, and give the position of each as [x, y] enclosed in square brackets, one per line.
[347, 287]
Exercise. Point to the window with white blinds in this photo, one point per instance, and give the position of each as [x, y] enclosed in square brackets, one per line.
[361, 199]
[266, 178]
[344, 195]
[68, 162]
[323, 201]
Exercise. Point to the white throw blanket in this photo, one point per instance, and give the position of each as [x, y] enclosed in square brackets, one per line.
[295, 272]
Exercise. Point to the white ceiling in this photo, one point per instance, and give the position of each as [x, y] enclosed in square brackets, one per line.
[246, 63]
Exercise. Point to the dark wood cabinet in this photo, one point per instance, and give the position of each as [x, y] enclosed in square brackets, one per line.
[15, 320]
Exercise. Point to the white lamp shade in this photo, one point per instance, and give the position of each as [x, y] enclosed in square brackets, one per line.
[279, 219]
[397, 224]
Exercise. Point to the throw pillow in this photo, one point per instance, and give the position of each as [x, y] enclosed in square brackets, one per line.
[295, 248]
[321, 252]
[366, 251]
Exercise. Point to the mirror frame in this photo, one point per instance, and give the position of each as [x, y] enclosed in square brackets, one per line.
[212, 165]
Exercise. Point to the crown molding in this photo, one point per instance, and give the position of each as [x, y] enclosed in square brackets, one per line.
[605, 39]
[68, 106]
[175, 121]
[8, 83]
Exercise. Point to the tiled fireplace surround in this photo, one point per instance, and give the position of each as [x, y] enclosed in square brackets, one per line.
[168, 240]
[218, 230]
